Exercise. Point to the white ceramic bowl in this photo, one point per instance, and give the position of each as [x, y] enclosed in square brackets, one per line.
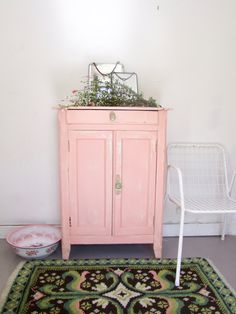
[34, 241]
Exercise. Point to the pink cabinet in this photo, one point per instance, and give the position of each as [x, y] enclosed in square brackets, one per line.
[112, 176]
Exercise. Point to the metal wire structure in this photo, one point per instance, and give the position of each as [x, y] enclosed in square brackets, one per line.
[112, 72]
[129, 79]
[103, 71]
[198, 183]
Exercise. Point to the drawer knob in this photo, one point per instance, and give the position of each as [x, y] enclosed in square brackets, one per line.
[112, 116]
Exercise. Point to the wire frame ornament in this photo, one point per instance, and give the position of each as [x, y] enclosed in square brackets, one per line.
[103, 71]
[129, 79]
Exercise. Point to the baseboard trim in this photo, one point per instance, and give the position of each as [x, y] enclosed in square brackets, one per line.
[169, 230]
[191, 229]
[199, 229]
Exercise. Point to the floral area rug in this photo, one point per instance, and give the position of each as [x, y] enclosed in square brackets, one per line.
[118, 286]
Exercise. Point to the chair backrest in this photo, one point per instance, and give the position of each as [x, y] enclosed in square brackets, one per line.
[203, 167]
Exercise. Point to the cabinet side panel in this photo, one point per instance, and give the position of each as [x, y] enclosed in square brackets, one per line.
[90, 182]
[64, 188]
[160, 184]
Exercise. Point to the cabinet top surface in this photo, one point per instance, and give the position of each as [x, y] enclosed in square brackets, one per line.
[115, 108]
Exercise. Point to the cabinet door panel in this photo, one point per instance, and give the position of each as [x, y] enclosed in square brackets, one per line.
[90, 181]
[135, 165]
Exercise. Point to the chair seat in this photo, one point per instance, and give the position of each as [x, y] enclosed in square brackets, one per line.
[203, 205]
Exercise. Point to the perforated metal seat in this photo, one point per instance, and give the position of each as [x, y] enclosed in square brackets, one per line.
[198, 183]
[208, 206]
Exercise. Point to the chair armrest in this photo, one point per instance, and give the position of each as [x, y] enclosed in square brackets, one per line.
[232, 183]
[180, 181]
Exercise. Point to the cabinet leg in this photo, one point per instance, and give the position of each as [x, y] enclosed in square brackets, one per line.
[65, 250]
[157, 250]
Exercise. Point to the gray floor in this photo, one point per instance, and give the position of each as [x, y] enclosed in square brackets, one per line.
[221, 253]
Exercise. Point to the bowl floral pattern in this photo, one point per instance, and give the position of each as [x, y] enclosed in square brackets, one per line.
[34, 241]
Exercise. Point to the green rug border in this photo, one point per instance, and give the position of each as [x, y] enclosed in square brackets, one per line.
[207, 271]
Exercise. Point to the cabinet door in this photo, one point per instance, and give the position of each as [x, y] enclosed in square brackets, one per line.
[134, 182]
[90, 182]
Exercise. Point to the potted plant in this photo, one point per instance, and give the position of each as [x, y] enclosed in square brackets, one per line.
[107, 93]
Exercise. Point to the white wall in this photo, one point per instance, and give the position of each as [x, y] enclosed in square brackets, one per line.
[184, 54]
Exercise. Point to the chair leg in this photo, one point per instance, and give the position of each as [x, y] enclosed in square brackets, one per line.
[180, 247]
[223, 227]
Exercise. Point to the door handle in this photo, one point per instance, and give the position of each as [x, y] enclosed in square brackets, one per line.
[118, 184]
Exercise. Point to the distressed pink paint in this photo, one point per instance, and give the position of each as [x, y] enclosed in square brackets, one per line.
[135, 161]
[112, 165]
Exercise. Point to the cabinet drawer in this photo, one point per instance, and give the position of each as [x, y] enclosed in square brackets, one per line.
[93, 116]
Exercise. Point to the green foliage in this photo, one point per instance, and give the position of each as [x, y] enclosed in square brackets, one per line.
[108, 93]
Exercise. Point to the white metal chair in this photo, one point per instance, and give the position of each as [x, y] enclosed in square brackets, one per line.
[198, 183]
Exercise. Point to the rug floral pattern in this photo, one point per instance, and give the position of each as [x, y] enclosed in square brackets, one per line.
[118, 286]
